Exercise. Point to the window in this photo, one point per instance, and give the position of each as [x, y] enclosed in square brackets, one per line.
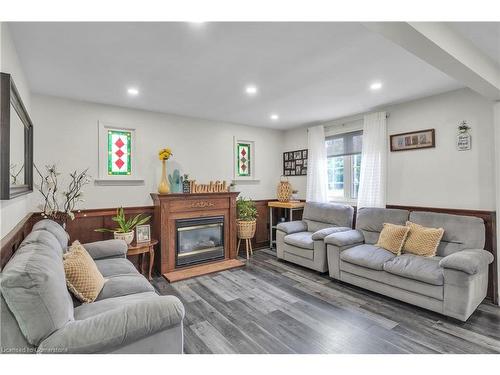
[344, 165]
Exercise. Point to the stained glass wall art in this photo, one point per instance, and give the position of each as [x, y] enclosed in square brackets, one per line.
[243, 158]
[119, 153]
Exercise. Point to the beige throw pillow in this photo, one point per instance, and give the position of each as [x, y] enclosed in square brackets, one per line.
[82, 276]
[392, 237]
[421, 240]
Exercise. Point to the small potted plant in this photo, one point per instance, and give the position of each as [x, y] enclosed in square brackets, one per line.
[246, 223]
[125, 229]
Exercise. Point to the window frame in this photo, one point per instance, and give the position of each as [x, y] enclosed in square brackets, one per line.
[338, 130]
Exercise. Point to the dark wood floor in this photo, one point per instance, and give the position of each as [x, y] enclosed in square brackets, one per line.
[270, 306]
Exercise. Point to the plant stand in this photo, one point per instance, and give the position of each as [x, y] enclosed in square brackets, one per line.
[248, 246]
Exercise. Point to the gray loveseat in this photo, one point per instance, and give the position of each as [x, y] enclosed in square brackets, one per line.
[38, 313]
[301, 242]
[453, 283]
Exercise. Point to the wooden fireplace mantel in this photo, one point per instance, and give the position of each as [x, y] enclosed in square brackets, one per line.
[170, 207]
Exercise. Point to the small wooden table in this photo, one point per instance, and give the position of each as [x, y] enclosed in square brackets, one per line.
[140, 249]
[291, 206]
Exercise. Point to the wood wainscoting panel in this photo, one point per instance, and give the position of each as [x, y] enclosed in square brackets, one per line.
[12, 240]
[489, 218]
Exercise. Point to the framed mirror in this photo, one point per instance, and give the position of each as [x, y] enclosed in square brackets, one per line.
[16, 142]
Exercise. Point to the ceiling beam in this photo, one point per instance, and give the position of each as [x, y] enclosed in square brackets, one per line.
[440, 46]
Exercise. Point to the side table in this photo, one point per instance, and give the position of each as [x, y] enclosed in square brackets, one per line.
[140, 249]
[291, 206]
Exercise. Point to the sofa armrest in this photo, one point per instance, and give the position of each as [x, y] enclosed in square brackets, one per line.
[470, 261]
[107, 249]
[115, 328]
[347, 238]
[322, 233]
[290, 227]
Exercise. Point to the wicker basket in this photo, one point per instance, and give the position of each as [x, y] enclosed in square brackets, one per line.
[284, 190]
[246, 229]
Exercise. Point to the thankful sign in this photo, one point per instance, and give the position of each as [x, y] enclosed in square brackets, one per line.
[211, 187]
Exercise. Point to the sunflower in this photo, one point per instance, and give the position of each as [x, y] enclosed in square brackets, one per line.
[165, 153]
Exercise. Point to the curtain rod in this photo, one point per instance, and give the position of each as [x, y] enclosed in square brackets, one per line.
[356, 119]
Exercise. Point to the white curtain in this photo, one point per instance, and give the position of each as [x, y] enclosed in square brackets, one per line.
[372, 184]
[317, 177]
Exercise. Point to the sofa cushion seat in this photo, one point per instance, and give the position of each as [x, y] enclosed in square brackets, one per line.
[123, 285]
[88, 310]
[368, 256]
[301, 239]
[115, 267]
[425, 269]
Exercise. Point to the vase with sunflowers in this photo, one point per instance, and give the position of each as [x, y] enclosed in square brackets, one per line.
[164, 154]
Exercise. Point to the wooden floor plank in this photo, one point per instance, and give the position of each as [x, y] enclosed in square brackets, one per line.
[272, 306]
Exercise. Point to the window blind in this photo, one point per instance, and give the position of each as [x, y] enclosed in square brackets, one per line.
[344, 144]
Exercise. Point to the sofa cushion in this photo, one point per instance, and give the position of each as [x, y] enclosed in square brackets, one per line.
[421, 240]
[54, 228]
[332, 214]
[34, 288]
[460, 232]
[392, 237]
[370, 221]
[425, 269]
[123, 285]
[82, 275]
[368, 256]
[88, 310]
[45, 238]
[115, 267]
[300, 239]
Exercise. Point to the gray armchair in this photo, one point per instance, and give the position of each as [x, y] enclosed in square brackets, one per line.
[301, 242]
[39, 315]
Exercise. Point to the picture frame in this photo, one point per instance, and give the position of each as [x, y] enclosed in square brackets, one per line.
[414, 140]
[295, 163]
[143, 233]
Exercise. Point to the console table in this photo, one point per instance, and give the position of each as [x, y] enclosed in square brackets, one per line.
[291, 206]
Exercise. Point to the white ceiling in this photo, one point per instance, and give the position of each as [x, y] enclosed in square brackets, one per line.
[484, 35]
[306, 72]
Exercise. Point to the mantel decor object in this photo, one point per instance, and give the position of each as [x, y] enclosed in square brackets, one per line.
[164, 154]
[211, 187]
[464, 142]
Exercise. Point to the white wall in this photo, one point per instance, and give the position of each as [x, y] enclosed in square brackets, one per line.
[12, 211]
[66, 134]
[439, 177]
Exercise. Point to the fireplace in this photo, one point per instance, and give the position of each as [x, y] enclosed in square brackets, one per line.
[197, 234]
[199, 240]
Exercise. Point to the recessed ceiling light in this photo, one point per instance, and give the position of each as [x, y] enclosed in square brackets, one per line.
[251, 90]
[376, 86]
[274, 117]
[132, 91]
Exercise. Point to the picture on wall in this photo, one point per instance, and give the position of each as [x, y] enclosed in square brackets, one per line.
[295, 163]
[413, 140]
[244, 159]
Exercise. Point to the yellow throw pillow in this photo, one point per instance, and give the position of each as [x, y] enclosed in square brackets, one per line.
[421, 240]
[82, 276]
[392, 237]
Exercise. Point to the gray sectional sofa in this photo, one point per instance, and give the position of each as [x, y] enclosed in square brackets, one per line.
[453, 283]
[301, 242]
[38, 314]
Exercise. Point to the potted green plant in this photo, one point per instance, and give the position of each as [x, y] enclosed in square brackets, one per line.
[125, 229]
[247, 214]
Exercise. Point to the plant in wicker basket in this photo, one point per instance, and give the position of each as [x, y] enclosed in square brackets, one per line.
[247, 213]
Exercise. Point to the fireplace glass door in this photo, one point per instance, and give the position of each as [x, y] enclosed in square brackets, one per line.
[199, 240]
